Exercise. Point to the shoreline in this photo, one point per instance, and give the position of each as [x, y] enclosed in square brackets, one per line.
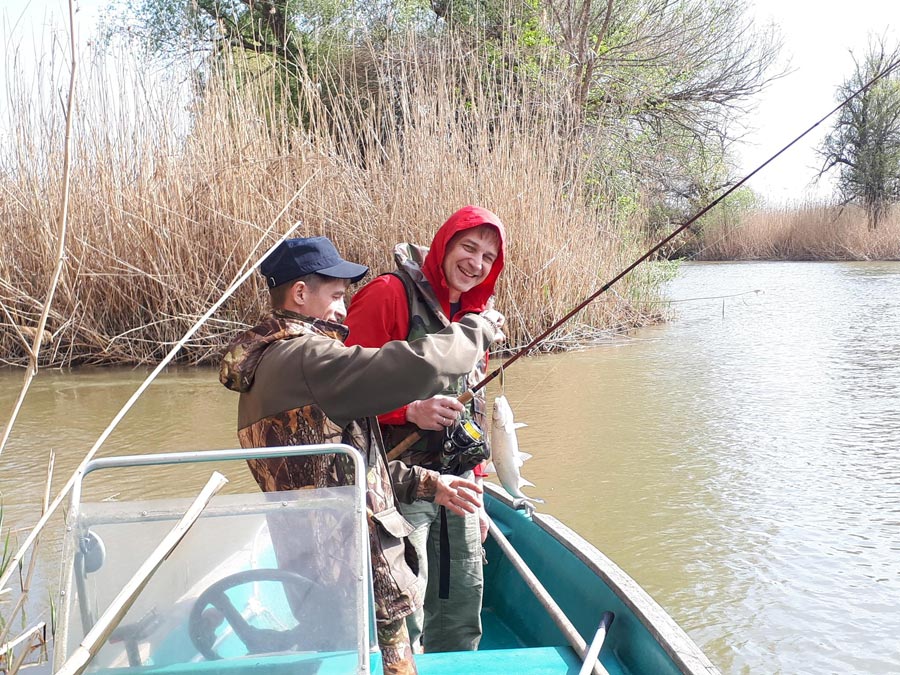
[804, 232]
[574, 336]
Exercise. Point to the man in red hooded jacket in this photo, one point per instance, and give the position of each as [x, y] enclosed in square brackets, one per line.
[432, 287]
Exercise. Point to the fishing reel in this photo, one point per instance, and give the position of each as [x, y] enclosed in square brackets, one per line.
[463, 434]
[463, 447]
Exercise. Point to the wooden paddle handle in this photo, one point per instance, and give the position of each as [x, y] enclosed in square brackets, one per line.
[407, 442]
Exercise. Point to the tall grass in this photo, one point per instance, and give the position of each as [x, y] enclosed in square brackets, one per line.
[17, 645]
[169, 191]
[803, 231]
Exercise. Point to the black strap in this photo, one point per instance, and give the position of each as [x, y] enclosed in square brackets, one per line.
[444, 559]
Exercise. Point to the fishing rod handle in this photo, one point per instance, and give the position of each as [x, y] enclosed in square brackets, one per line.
[407, 442]
[403, 446]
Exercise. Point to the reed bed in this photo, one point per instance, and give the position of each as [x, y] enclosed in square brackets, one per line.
[170, 191]
[802, 231]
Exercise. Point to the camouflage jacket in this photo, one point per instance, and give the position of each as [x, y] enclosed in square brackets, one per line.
[299, 385]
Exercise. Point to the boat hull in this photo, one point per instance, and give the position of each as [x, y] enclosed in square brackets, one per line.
[157, 635]
[584, 583]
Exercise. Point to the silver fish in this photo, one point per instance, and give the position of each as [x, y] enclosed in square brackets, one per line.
[505, 455]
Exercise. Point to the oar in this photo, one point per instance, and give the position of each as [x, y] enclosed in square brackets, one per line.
[597, 643]
[13, 563]
[397, 450]
[554, 610]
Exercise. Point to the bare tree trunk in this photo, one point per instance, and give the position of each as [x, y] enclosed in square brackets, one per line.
[588, 57]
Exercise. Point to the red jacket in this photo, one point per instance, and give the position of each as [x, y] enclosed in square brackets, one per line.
[379, 311]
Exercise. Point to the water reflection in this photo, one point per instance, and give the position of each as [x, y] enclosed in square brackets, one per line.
[740, 462]
[803, 461]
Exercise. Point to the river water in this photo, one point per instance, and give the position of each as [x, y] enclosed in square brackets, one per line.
[740, 462]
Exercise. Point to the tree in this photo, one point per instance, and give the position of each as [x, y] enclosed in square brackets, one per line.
[864, 144]
[171, 26]
[665, 81]
[287, 29]
[655, 84]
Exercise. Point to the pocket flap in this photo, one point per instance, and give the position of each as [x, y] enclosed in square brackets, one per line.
[393, 521]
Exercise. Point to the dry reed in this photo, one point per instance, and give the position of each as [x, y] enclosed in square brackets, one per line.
[169, 192]
[802, 232]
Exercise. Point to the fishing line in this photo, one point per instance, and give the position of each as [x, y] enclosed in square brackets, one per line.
[45, 517]
[468, 395]
[531, 345]
[757, 291]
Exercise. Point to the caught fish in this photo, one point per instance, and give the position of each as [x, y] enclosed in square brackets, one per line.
[505, 455]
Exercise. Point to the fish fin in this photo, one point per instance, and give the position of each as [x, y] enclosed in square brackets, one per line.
[523, 482]
[519, 425]
[532, 500]
[490, 468]
[524, 456]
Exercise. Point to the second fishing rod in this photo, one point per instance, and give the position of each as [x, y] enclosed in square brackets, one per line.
[467, 396]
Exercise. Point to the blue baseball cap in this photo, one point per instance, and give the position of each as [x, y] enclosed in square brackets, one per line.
[295, 258]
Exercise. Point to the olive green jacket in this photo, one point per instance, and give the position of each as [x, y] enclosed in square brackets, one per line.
[300, 385]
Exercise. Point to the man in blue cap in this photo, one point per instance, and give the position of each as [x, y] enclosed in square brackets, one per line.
[299, 385]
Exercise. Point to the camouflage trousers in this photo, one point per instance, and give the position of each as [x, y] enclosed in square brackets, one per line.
[396, 651]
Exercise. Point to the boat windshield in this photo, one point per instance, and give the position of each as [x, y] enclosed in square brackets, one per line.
[277, 573]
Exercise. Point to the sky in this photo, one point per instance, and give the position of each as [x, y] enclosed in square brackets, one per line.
[818, 36]
[28, 21]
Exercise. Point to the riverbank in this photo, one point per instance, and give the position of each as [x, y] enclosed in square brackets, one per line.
[800, 232]
[171, 199]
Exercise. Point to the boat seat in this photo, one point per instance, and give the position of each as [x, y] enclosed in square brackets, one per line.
[540, 661]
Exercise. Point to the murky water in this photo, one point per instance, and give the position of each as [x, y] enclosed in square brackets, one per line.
[742, 462]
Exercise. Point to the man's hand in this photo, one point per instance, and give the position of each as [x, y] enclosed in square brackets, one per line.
[498, 320]
[459, 495]
[484, 522]
[434, 414]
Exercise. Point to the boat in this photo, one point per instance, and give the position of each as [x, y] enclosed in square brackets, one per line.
[218, 601]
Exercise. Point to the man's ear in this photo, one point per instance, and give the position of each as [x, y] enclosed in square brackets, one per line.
[298, 293]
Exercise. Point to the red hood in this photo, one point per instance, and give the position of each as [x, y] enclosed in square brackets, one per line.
[466, 218]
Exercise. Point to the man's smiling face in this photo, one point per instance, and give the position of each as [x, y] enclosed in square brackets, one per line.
[469, 257]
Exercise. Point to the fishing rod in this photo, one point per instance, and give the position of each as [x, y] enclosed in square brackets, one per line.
[467, 396]
[16, 559]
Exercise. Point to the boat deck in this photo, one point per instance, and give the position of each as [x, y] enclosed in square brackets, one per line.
[501, 652]
[174, 632]
[537, 661]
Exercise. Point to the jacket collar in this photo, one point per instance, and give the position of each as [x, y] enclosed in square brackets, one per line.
[242, 356]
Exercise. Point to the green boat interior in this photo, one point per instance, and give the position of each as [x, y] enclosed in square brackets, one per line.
[221, 602]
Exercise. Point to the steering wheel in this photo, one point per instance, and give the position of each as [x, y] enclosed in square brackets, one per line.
[202, 623]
